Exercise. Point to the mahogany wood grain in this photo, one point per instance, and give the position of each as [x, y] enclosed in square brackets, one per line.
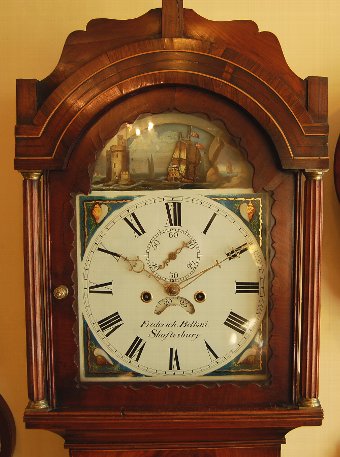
[27, 104]
[267, 451]
[298, 255]
[172, 18]
[310, 322]
[100, 36]
[337, 168]
[175, 431]
[34, 289]
[112, 58]
[102, 82]
[317, 102]
[244, 38]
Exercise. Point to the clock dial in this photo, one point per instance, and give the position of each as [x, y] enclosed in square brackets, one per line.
[172, 287]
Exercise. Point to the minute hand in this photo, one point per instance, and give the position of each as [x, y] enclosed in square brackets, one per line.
[236, 252]
[232, 254]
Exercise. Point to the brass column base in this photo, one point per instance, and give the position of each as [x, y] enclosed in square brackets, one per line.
[38, 405]
[309, 403]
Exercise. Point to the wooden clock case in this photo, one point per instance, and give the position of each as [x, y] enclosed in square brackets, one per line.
[171, 59]
[7, 430]
[337, 168]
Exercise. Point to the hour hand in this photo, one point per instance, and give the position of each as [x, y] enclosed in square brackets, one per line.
[135, 264]
[113, 254]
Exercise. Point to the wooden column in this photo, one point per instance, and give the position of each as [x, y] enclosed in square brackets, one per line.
[35, 315]
[310, 323]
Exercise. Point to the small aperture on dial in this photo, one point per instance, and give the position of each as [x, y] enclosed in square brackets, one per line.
[199, 297]
[146, 297]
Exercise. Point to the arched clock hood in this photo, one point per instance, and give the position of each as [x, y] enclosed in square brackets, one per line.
[172, 59]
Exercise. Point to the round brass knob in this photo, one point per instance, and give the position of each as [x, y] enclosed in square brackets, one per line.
[60, 292]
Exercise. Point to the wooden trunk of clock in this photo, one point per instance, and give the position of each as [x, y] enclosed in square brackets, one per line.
[69, 128]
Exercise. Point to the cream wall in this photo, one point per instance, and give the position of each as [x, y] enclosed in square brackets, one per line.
[32, 34]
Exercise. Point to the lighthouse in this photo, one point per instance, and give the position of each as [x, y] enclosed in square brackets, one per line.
[117, 162]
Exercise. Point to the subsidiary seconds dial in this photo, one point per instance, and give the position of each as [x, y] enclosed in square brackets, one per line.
[172, 286]
[173, 254]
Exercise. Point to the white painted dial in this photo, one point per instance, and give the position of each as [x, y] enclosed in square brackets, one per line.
[173, 286]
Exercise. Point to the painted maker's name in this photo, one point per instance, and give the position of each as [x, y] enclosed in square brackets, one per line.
[173, 324]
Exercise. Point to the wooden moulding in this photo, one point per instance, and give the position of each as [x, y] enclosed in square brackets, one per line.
[107, 430]
[231, 452]
[55, 132]
[112, 59]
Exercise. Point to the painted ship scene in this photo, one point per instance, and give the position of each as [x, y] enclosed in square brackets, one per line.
[171, 150]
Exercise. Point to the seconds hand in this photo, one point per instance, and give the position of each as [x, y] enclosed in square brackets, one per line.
[173, 255]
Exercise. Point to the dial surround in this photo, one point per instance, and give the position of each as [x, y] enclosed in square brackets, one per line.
[172, 335]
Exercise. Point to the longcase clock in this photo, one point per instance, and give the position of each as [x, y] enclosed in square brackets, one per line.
[172, 216]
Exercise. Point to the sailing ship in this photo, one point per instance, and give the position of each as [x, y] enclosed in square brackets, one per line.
[186, 158]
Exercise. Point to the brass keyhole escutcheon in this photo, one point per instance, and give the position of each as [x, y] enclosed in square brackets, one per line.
[60, 292]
